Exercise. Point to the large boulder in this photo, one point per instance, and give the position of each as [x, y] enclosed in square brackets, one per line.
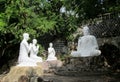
[77, 66]
[23, 74]
[50, 66]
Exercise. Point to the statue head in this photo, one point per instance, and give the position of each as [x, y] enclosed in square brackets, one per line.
[51, 44]
[34, 41]
[86, 30]
[26, 36]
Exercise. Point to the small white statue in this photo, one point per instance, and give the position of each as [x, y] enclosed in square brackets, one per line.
[87, 45]
[34, 51]
[23, 59]
[51, 53]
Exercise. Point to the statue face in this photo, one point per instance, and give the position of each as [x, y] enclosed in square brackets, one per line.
[26, 36]
[86, 30]
[50, 44]
[34, 41]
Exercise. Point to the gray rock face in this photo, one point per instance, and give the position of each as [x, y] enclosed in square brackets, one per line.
[82, 66]
[50, 66]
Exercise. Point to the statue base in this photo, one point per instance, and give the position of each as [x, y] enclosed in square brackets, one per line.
[77, 66]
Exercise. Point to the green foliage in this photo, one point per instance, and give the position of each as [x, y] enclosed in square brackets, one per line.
[87, 9]
[2, 22]
[40, 17]
[41, 49]
[20, 16]
[35, 17]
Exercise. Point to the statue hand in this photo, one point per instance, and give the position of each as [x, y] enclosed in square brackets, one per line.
[30, 45]
[37, 46]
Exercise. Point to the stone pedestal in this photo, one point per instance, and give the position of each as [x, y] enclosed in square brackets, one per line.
[76, 66]
[50, 66]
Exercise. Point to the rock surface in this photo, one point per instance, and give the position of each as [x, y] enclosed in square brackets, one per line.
[30, 73]
[22, 74]
[50, 66]
[83, 66]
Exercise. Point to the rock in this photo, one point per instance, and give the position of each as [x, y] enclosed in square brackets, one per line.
[39, 79]
[23, 74]
[23, 78]
[50, 66]
[78, 66]
[54, 63]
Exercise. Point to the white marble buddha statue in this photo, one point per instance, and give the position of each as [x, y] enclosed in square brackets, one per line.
[87, 45]
[34, 51]
[51, 53]
[24, 59]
